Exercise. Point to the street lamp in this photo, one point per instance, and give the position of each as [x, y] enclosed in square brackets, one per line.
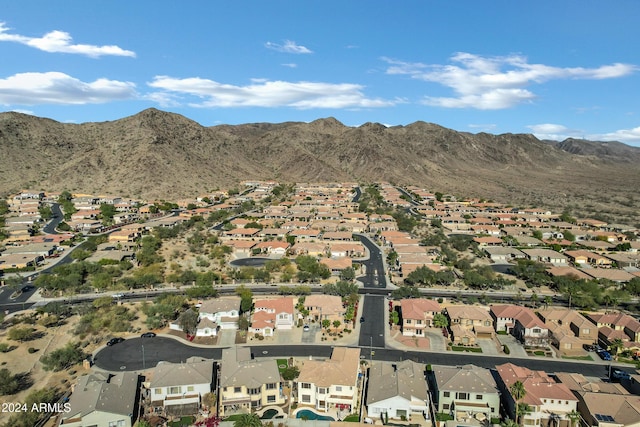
[144, 368]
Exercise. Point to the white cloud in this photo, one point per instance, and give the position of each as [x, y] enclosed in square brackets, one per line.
[61, 42]
[265, 93]
[623, 135]
[60, 88]
[288, 47]
[558, 132]
[290, 65]
[492, 83]
[483, 127]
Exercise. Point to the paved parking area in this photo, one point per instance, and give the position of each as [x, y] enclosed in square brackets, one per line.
[227, 337]
[436, 340]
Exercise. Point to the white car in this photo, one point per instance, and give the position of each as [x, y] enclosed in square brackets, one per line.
[305, 328]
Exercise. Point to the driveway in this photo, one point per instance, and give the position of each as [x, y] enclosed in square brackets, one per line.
[284, 336]
[227, 337]
[309, 337]
[437, 342]
[516, 349]
[489, 346]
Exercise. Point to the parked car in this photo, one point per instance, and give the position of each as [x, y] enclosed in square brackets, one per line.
[604, 355]
[27, 288]
[148, 335]
[619, 374]
[305, 328]
[362, 319]
[114, 341]
[590, 347]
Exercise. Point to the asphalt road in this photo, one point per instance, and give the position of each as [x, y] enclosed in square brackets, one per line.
[373, 327]
[130, 356]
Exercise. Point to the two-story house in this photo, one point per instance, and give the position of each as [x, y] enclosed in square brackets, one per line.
[397, 390]
[550, 403]
[331, 383]
[468, 322]
[465, 392]
[522, 323]
[272, 314]
[247, 384]
[417, 314]
[103, 400]
[222, 313]
[177, 388]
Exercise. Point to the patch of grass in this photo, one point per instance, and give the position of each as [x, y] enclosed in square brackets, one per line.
[182, 422]
[233, 417]
[587, 357]
[282, 365]
[443, 417]
[502, 332]
[469, 349]
[353, 418]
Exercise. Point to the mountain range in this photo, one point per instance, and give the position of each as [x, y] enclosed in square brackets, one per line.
[156, 154]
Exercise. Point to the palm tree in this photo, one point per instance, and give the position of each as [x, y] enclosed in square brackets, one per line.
[509, 423]
[524, 409]
[574, 416]
[248, 420]
[615, 346]
[518, 393]
[547, 301]
[534, 299]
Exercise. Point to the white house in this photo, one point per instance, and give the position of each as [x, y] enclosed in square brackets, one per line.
[397, 390]
[330, 383]
[178, 387]
[272, 314]
[218, 313]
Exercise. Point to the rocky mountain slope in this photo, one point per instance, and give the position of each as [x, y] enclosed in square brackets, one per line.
[155, 154]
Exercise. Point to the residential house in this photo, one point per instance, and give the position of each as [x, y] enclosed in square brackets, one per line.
[619, 322]
[609, 410]
[325, 307]
[218, 313]
[546, 256]
[331, 383]
[337, 265]
[522, 323]
[103, 400]
[397, 390]
[417, 314]
[569, 330]
[177, 388]
[247, 384]
[549, 402]
[272, 314]
[465, 392]
[468, 322]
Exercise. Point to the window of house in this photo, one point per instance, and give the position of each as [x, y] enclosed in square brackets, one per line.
[338, 388]
[254, 391]
[190, 388]
[174, 390]
[446, 394]
[493, 409]
[537, 330]
[553, 401]
[271, 386]
[237, 389]
[586, 331]
[462, 396]
[322, 390]
[306, 398]
[445, 406]
[305, 385]
[478, 397]
[157, 391]
[419, 322]
[271, 399]
[408, 321]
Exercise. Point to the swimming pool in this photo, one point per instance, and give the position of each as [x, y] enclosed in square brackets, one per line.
[310, 415]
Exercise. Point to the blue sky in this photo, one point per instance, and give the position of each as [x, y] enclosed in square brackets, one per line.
[552, 68]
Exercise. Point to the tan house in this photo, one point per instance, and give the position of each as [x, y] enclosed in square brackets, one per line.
[470, 318]
[325, 307]
[417, 315]
[247, 384]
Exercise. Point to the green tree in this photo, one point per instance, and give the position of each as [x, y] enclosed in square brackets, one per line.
[188, 320]
[326, 323]
[290, 373]
[246, 298]
[348, 274]
[574, 417]
[440, 320]
[107, 211]
[336, 324]
[247, 420]
[394, 318]
[63, 358]
[615, 346]
[518, 393]
[8, 382]
[22, 334]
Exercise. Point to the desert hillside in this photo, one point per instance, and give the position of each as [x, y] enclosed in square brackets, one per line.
[155, 154]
